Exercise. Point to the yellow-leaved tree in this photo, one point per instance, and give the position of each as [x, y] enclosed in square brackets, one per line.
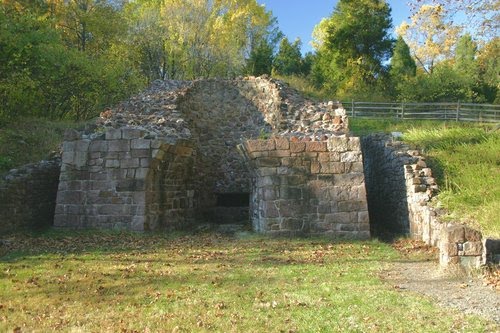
[430, 36]
[187, 39]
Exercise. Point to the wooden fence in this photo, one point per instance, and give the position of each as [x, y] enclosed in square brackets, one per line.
[425, 111]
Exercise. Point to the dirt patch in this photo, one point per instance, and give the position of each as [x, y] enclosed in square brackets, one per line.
[419, 272]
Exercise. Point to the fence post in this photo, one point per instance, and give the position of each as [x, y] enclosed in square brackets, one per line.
[458, 111]
[352, 108]
[403, 110]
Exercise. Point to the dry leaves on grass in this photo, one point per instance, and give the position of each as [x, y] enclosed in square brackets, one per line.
[408, 247]
[492, 277]
[81, 242]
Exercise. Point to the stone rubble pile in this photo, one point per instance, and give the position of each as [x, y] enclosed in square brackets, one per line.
[155, 111]
[158, 112]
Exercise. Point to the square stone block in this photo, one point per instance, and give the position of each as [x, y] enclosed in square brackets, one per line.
[140, 144]
[351, 156]
[98, 146]
[266, 171]
[351, 206]
[112, 164]
[348, 179]
[132, 133]
[354, 143]
[119, 145]
[338, 144]
[268, 162]
[315, 167]
[113, 134]
[473, 248]
[332, 167]
[297, 147]
[287, 192]
[282, 143]
[316, 146]
[260, 145]
[279, 153]
[363, 217]
[453, 234]
[324, 157]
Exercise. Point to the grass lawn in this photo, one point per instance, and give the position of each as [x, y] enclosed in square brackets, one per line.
[105, 282]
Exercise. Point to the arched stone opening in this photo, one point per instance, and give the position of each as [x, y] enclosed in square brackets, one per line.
[169, 194]
[385, 187]
[221, 115]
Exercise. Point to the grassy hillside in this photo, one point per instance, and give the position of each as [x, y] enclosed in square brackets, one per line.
[465, 159]
[30, 140]
[467, 165]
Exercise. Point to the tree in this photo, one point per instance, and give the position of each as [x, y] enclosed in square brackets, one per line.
[262, 48]
[402, 66]
[489, 69]
[261, 58]
[352, 46]
[41, 76]
[445, 84]
[288, 61]
[89, 25]
[430, 36]
[465, 56]
[197, 38]
[480, 17]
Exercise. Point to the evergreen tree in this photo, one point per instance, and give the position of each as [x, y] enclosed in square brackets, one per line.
[402, 64]
[261, 59]
[288, 61]
[465, 56]
[352, 46]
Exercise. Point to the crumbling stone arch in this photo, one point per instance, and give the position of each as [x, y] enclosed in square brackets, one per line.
[169, 193]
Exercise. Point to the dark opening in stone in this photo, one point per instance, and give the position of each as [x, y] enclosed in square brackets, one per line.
[233, 199]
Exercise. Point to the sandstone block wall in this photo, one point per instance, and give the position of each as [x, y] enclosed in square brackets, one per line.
[221, 115]
[308, 187]
[106, 182]
[459, 244]
[400, 188]
[28, 196]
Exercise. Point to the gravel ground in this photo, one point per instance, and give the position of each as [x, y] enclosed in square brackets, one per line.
[458, 290]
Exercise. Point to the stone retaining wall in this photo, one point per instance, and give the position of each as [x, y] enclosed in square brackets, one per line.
[308, 187]
[400, 188]
[28, 196]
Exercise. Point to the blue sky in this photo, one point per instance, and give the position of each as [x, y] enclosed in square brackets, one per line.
[297, 18]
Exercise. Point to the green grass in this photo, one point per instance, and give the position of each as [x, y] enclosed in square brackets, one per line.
[362, 126]
[207, 283]
[30, 140]
[305, 87]
[466, 162]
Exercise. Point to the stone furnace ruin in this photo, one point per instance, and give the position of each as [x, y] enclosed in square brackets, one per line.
[222, 151]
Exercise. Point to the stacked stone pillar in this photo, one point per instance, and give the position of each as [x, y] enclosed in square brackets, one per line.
[112, 181]
[308, 187]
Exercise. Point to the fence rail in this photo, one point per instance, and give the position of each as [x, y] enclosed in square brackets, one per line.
[425, 111]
